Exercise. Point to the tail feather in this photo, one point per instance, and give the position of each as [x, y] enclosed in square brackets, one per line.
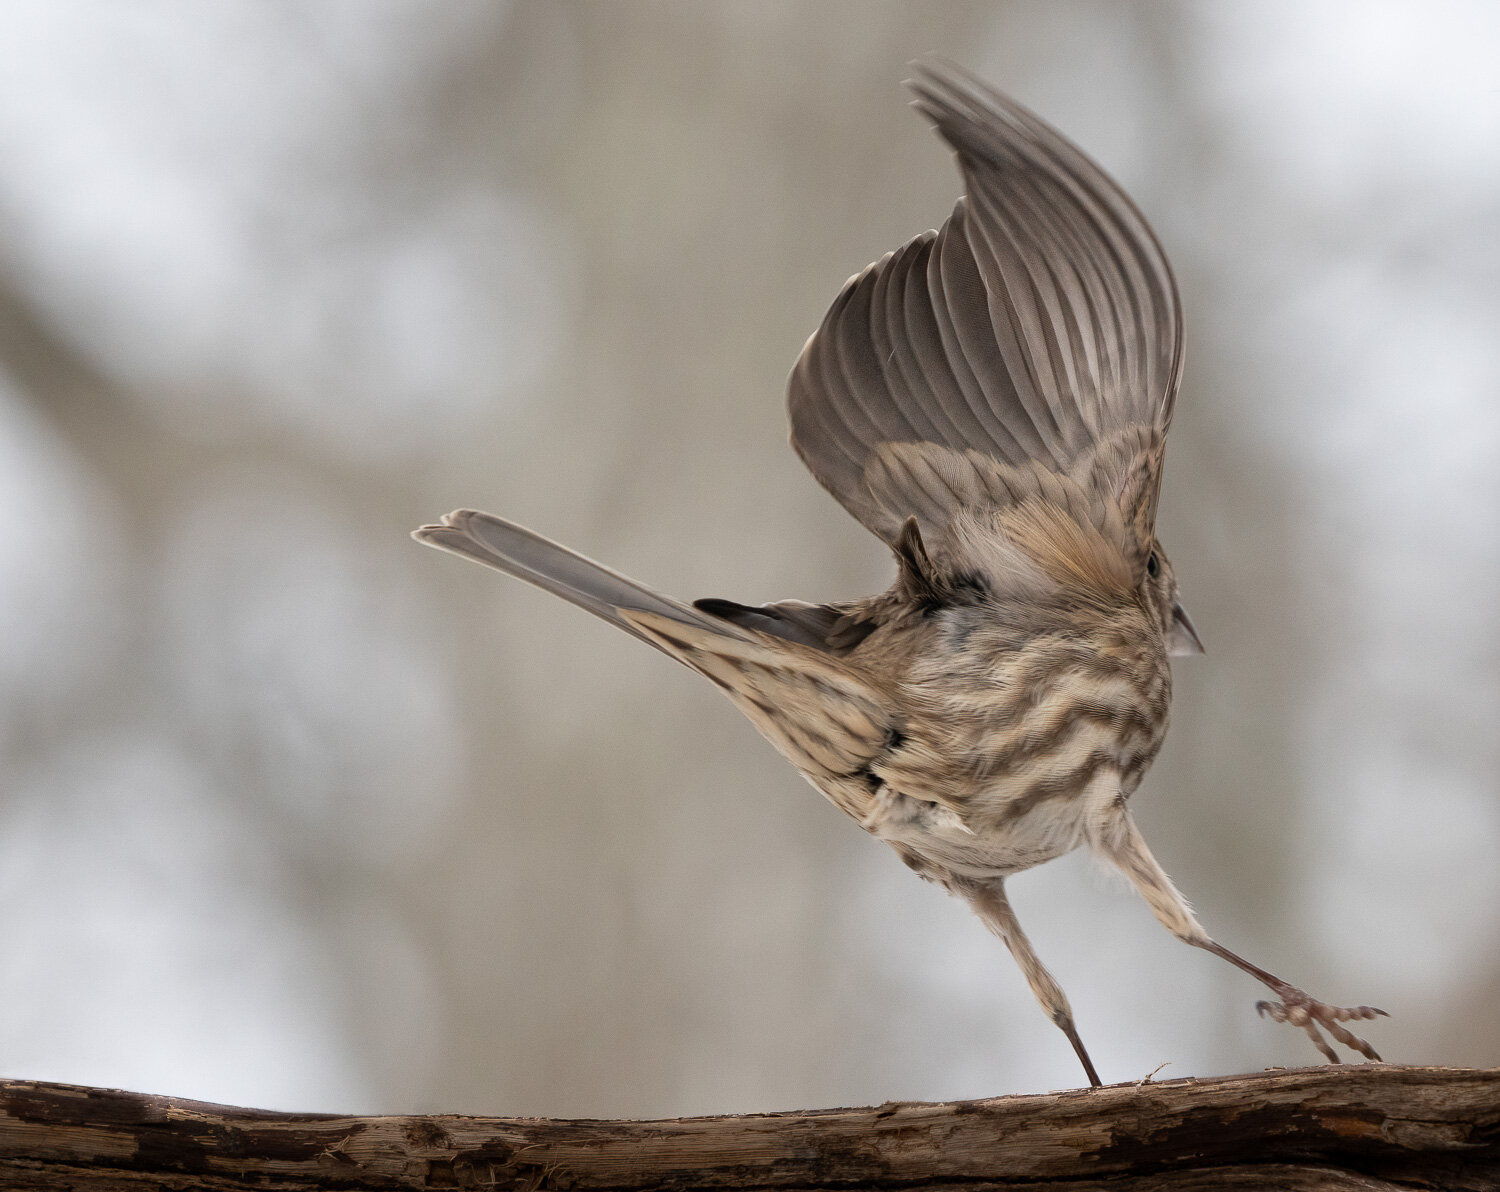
[554, 568]
[819, 713]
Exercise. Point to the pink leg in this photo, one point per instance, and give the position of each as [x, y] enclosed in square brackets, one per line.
[990, 903]
[1116, 838]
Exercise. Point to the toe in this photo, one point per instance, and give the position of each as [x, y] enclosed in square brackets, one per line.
[1297, 1009]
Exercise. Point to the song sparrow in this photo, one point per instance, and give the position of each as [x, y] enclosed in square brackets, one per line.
[991, 399]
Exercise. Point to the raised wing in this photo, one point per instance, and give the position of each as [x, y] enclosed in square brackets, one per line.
[1039, 330]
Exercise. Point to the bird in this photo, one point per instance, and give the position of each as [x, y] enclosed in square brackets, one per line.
[991, 399]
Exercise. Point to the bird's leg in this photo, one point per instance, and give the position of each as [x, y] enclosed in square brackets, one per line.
[1116, 838]
[991, 905]
[1301, 1010]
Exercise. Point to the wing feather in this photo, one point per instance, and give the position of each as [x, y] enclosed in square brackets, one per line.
[1039, 325]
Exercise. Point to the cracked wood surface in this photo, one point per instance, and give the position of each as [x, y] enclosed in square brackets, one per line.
[1373, 1127]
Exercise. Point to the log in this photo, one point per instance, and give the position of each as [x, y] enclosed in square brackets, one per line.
[1372, 1127]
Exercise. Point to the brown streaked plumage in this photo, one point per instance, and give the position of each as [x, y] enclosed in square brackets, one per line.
[992, 399]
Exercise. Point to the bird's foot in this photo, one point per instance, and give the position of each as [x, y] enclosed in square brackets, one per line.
[1298, 1009]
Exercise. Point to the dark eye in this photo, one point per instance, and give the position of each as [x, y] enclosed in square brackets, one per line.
[1153, 565]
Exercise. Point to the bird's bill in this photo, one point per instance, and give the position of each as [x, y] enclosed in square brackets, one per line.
[1182, 638]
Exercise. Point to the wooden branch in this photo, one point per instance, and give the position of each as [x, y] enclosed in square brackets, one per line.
[1373, 1127]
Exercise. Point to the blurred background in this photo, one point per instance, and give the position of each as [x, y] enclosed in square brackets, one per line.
[296, 814]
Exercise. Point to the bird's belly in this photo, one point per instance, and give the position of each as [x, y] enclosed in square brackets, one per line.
[1013, 834]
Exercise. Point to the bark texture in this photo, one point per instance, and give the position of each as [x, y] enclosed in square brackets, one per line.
[1374, 1127]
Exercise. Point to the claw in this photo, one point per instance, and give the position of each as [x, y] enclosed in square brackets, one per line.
[1297, 1009]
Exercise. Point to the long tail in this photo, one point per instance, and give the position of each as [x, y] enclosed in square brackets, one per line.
[812, 707]
[517, 551]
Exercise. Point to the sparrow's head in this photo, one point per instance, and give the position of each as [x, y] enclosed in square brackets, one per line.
[1159, 589]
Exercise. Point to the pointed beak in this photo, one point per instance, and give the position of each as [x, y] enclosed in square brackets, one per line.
[1182, 638]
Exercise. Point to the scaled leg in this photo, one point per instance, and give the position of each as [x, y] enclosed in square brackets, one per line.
[990, 903]
[1117, 839]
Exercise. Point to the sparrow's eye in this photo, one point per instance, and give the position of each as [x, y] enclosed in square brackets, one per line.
[1153, 565]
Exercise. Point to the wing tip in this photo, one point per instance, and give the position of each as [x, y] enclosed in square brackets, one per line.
[933, 67]
[976, 119]
[943, 86]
